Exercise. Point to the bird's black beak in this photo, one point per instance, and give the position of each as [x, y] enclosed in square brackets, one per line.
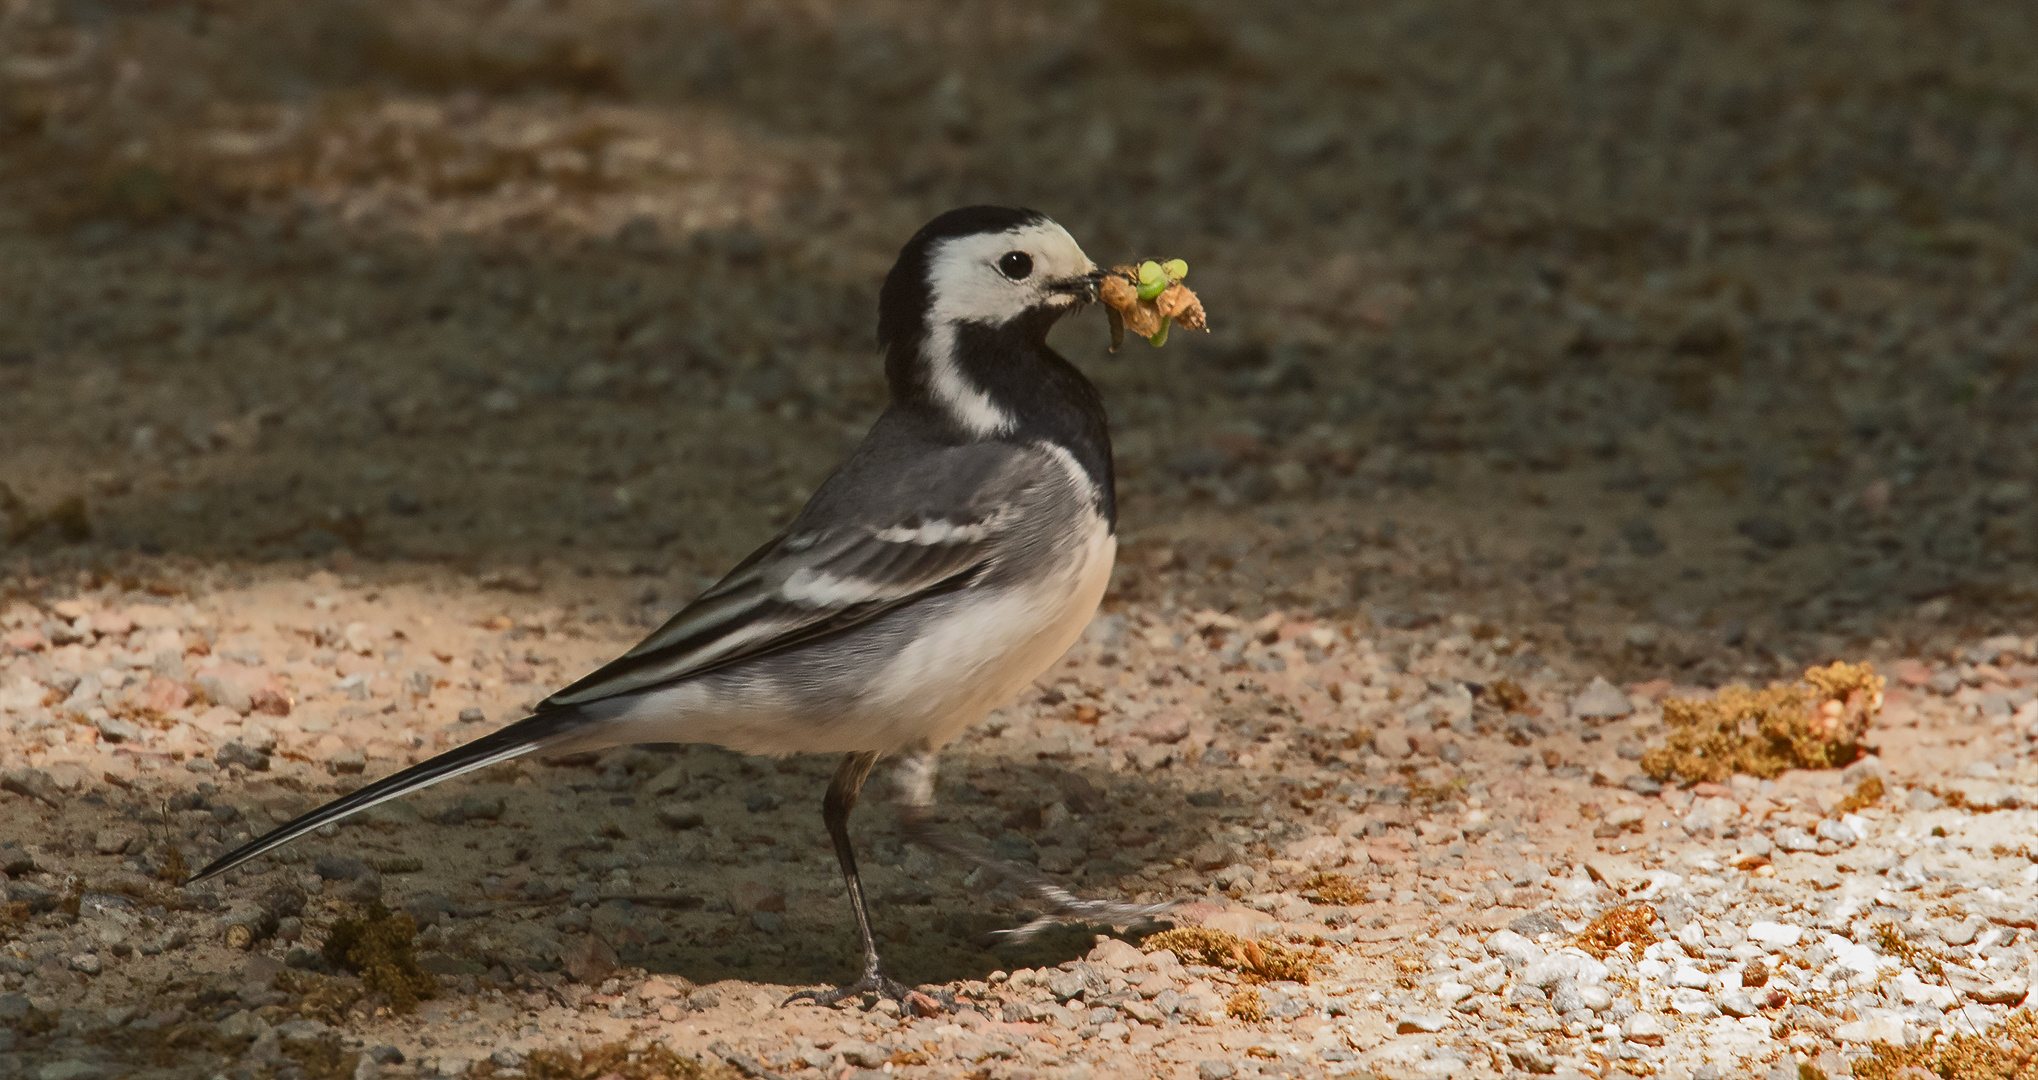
[1083, 286]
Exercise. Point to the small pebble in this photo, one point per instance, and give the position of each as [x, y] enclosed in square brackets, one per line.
[1601, 700]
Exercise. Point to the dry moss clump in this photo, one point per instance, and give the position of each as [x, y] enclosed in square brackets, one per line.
[1814, 723]
[612, 1060]
[1333, 889]
[1255, 961]
[67, 517]
[14, 915]
[2006, 1051]
[1509, 696]
[378, 948]
[1434, 795]
[323, 1058]
[319, 997]
[1247, 1006]
[1866, 794]
[1895, 944]
[1617, 926]
[173, 869]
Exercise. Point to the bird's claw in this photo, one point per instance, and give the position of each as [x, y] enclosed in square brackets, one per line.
[873, 982]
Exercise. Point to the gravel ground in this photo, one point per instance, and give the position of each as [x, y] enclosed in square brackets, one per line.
[364, 364]
[1174, 755]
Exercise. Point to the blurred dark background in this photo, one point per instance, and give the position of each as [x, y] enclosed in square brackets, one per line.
[1698, 335]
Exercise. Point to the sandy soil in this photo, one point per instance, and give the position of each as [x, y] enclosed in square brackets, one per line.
[363, 364]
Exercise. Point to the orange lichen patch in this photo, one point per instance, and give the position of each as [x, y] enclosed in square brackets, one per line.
[1619, 925]
[2006, 1051]
[1815, 723]
[1255, 961]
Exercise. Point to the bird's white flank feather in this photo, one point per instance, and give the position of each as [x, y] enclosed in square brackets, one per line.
[818, 588]
[935, 532]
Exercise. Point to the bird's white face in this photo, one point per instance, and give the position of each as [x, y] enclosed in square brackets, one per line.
[996, 277]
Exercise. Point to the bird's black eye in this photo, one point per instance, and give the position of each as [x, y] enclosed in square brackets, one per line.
[1015, 265]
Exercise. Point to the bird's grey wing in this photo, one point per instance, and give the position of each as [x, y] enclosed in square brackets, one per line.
[796, 588]
[801, 586]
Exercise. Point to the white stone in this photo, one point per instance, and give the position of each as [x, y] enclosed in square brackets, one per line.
[1617, 871]
[1322, 852]
[1424, 1021]
[243, 1025]
[1601, 700]
[1402, 1051]
[1843, 831]
[1775, 936]
[667, 781]
[1918, 992]
[1509, 945]
[1792, 838]
[1736, 1003]
[1969, 1019]
[1571, 890]
[1687, 976]
[1646, 1028]
[1689, 1002]
[1546, 972]
[1450, 993]
[1872, 1029]
[1113, 953]
[1857, 958]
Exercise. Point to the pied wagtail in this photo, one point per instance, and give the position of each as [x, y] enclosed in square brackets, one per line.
[954, 557]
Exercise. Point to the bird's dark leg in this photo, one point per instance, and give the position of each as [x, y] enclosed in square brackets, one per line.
[835, 808]
[916, 819]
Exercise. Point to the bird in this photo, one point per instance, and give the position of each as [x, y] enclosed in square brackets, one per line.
[952, 558]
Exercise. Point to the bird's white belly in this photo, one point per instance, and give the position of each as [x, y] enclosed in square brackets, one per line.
[976, 659]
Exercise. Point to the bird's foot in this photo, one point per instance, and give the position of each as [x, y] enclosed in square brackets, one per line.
[1070, 909]
[873, 982]
[1067, 906]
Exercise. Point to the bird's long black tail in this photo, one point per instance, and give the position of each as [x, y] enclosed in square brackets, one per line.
[516, 740]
